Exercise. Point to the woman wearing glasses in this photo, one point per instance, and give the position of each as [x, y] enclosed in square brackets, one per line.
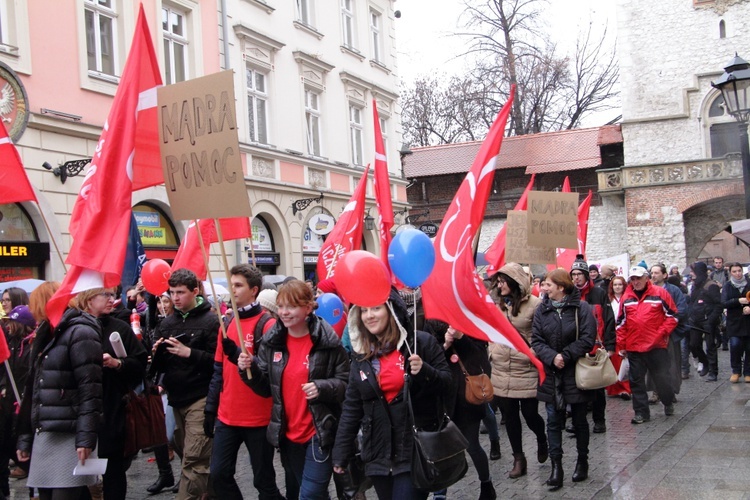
[119, 376]
[14, 297]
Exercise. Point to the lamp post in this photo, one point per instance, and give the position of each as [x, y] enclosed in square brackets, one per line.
[734, 85]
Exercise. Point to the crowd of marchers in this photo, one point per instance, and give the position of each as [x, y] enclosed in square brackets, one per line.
[339, 402]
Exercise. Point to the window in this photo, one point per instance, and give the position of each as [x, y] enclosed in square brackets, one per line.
[312, 120]
[257, 97]
[4, 30]
[724, 135]
[722, 29]
[305, 12]
[384, 133]
[355, 130]
[175, 45]
[347, 22]
[377, 42]
[100, 36]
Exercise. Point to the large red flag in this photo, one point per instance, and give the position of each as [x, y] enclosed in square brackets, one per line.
[454, 292]
[346, 234]
[13, 179]
[100, 222]
[566, 256]
[382, 190]
[189, 255]
[495, 254]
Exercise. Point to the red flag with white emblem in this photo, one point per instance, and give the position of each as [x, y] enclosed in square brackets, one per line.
[100, 222]
[382, 190]
[346, 234]
[454, 292]
[13, 179]
[189, 255]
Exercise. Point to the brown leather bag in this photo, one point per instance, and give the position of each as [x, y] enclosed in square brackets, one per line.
[478, 387]
[144, 420]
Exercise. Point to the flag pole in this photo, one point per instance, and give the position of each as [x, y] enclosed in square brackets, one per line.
[51, 238]
[241, 337]
[208, 272]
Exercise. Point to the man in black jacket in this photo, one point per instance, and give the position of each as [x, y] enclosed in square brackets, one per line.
[184, 353]
[705, 316]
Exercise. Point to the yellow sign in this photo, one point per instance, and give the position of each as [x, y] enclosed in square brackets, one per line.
[13, 251]
[152, 236]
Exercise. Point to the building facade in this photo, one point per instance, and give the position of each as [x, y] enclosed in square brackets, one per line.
[306, 74]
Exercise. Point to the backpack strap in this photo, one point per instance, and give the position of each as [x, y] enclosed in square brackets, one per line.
[265, 317]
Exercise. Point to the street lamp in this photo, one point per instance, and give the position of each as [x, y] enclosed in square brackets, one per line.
[369, 221]
[734, 85]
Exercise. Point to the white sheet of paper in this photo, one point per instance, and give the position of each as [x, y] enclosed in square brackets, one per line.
[93, 467]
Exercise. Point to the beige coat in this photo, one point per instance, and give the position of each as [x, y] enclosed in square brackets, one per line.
[513, 375]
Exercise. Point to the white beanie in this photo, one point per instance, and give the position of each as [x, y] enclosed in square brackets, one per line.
[267, 299]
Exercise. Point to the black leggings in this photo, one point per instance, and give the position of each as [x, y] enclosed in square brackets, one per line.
[530, 409]
[470, 430]
[61, 493]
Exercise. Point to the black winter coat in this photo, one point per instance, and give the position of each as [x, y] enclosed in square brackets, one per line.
[705, 305]
[67, 384]
[187, 379]
[473, 354]
[329, 370]
[386, 427]
[738, 324]
[118, 383]
[553, 334]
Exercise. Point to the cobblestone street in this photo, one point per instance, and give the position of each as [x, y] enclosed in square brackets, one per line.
[703, 451]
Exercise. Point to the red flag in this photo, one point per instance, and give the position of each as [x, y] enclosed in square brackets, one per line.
[346, 234]
[454, 292]
[382, 191]
[566, 256]
[566, 185]
[189, 255]
[100, 222]
[495, 254]
[4, 350]
[13, 178]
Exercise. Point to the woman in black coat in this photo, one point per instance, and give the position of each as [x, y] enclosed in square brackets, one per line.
[734, 299]
[563, 330]
[382, 352]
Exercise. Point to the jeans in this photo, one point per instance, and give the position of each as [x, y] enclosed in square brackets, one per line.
[227, 442]
[397, 487]
[685, 354]
[655, 361]
[739, 348]
[530, 409]
[556, 423]
[308, 469]
[490, 423]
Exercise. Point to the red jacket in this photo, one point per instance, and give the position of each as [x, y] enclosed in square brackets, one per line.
[646, 322]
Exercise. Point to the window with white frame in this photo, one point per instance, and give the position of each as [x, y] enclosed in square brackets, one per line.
[305, 11]
[355, 131]
[257, 104]
[174, 32]
[376, 36]
[347, 23]
[312, 120]
[4, 27]
[100, 18]
[384, 133]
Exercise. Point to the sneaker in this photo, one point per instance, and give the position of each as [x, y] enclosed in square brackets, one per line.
[669, 410]
[653, 399]
[734, 378]
[639, 419]
[711, 377]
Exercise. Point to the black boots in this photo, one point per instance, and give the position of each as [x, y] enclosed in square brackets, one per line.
[542, 452]
[487, 491]
[555, 480]
[495, 450]
[165, 479]
[519, 466]
[582, 470]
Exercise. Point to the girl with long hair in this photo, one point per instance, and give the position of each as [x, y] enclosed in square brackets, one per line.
[616, 288]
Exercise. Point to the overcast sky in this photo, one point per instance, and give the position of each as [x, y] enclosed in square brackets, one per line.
[425, 44]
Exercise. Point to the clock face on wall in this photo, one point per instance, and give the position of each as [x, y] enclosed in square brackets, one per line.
[14, 103]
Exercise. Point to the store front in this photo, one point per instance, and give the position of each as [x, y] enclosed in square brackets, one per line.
[319, 224]
[158, 234]
[22, 255]
[267, 258]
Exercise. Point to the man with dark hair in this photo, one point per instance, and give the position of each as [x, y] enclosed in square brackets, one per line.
[184, 353]
[705, 315]
[234, 413]
[594, 275]
[720, 274]
[605, 327]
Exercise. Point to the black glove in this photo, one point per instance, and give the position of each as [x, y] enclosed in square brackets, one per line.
[209, 421]
[231, 349]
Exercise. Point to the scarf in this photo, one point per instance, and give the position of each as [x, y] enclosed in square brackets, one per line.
[739, 284]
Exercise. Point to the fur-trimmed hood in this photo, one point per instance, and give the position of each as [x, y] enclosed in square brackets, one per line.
[398, 309]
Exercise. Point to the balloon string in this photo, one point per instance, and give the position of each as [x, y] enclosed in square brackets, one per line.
[414, 301]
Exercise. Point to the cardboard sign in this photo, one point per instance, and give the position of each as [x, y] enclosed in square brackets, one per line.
[552, 219]
[517, 248]
[200, 149]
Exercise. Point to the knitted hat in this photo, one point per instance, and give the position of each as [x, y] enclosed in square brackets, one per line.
[594, 267]
[580, 265]
[23, 316]
[328, 286]
[267, 299]
[643, 265]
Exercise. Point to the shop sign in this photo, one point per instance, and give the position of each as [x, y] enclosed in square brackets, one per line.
[261, 239]
[147, 219]
[321, 224]
[24, 253]
[265, 260]
[429, 229]
[153, 236]
[310, 259]
[311, 242]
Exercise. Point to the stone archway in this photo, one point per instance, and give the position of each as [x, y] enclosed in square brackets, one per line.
[704, 220]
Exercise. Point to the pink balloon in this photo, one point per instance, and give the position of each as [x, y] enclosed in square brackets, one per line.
[362, 279]
[155, 276]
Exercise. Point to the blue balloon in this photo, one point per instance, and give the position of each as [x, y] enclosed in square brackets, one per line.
[412, 257]
[330, 308]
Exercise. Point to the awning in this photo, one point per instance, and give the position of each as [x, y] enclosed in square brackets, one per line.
[741, 230]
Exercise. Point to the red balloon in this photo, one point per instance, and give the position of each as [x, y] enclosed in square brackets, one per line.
[155, 276]
[362, 279]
